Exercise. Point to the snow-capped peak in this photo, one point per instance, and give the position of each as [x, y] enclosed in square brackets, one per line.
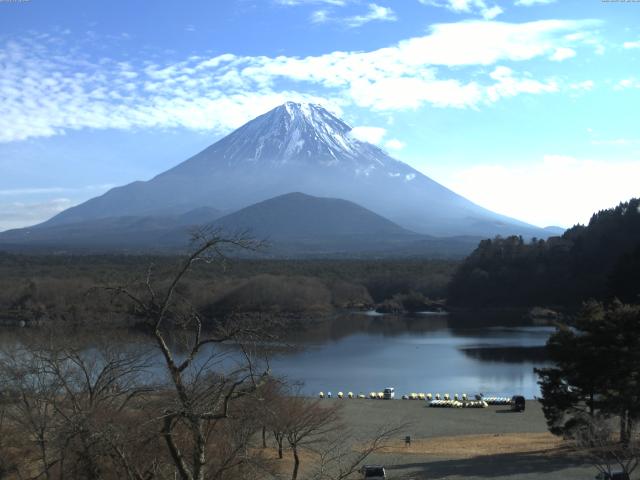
[303, 134]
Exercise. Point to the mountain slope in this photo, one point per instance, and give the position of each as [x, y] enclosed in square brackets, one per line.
[300, 147]
[294, 224]
[299, 216]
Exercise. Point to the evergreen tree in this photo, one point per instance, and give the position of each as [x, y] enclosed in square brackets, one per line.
[597, 369]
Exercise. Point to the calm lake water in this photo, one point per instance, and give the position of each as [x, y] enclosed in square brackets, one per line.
[364, 353]
[421, 353]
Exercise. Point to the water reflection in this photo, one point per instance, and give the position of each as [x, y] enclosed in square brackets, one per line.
[417, 354]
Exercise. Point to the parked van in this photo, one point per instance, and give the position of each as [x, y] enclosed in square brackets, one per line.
[612, 476]
[373, 472]
[517, 403]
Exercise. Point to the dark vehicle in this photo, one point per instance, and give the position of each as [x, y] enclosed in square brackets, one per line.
[612, 476]
[373, 472]
[517, 403]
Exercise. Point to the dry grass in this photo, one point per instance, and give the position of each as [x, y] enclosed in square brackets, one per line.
[469, 446]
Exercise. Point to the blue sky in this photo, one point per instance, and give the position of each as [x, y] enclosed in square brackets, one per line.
[528, 107]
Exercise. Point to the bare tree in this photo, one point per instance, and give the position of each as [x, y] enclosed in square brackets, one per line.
[8, 464]
[203, 387]
[598, 439]
[343, 453]
[306, 423]
[71, 405]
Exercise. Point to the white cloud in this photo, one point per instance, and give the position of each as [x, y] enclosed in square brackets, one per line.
[320, 16]
[479, 7]
[394, 144]
[528, 3]
[627, 83]
[491, 12]
[369, 134]
[562, 53]
[374, 13]
[508, 85]
[585, 85]
[630, 45]
[47, 91]
[559, 190]
[375, 136]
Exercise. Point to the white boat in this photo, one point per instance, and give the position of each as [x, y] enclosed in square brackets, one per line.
[389, 393]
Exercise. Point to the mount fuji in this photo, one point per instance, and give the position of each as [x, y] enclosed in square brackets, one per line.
[292, 148]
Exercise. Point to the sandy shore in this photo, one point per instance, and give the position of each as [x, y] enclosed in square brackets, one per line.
[465, 443]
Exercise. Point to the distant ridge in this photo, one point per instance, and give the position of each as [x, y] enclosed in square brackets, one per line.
[294, 225]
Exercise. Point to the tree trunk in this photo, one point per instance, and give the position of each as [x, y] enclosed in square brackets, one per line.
[296, 463]
[279, 439]
[624, 433]
[199, 454]
[264, 437]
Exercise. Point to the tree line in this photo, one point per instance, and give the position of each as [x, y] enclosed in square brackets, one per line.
[598, 261]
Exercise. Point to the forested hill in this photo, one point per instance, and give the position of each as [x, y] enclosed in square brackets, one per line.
[600, 261]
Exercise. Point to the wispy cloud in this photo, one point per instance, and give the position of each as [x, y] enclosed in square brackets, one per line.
[476, 7]
[47, 88]
[295, 3]
[374, 13]
[49, 190]
[320, 16]
[529, 3]
[627, 83]
[630, 45]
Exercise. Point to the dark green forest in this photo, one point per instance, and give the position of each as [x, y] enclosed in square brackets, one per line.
[598, 261]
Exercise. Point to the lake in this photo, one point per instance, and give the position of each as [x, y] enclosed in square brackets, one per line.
[419, 353]
[363, 352]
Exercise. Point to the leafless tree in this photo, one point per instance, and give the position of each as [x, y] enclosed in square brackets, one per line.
[70, 404]
[8, 464]
[203, 386]
[598, 439]
[305, 424]
[343, 453]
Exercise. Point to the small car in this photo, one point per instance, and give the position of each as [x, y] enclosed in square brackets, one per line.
[373, 472]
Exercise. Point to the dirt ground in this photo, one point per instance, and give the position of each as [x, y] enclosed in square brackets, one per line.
[492, 443]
